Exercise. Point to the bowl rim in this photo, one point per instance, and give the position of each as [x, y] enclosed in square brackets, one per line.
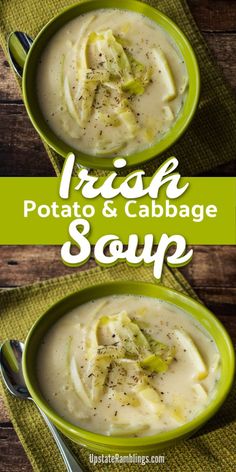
[169, 138]
[169, 296]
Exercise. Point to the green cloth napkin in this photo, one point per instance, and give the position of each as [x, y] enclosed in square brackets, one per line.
[210, 139]
[212, 449]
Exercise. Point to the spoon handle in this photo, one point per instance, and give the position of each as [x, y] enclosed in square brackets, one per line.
[69, 459]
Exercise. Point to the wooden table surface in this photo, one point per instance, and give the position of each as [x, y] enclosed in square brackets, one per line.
[212, 272]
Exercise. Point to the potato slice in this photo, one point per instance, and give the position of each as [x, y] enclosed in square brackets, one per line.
[187, 343]
[149, 396]
[78, 383]
[200, 391]
[125, 429]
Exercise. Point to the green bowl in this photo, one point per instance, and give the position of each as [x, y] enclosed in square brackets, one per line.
[30, 93]
[149, 444]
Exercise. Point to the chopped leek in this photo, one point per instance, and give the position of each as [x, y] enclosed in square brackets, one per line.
[69, 101]
[72, 405]
[98, 75]
[128, 118]
[92, 341]
[124, 398]
[149, 134]
[99, 365]
[105, 44]
[113, 352]
[81, 44]
[154, 363]
[110, 119]
[119, 55]
[125, 27]
[113, 85]
[130, 363]
[129, 334]
[149, 353]
[98, 308]
[177, 414]
[140, 71]
[117, 62]
[215, 362]
[130, 76]
[133, 86]
[71, 128]
[62, 76]
[68, 353]
[161, 349]
[136, 66]
[99, 371]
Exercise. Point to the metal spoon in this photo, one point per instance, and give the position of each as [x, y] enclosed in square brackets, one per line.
[11, 370]
[18, 45]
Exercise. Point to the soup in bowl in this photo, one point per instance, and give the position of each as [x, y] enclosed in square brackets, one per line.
[111, 81]
[128, 366]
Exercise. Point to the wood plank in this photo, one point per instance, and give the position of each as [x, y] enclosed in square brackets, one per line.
[21, 265]
[3, 413]
[222, 303]
[224, 170]
[211, 273]
[214, 15]
[212, 266]
[221, 300]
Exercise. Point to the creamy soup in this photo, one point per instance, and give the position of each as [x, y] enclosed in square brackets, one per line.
[128, 366]
[111, 82]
